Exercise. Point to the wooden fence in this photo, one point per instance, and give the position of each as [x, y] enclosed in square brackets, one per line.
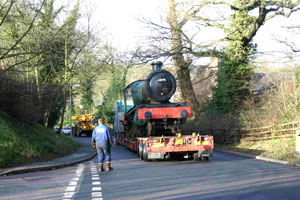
[222, 136]
[286, 130]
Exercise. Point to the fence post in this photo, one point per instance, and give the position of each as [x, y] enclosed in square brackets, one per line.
[298, 142]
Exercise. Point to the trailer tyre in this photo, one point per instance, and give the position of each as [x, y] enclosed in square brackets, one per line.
[145, 152]
[205, 158]
[140, 150]
[196, 157]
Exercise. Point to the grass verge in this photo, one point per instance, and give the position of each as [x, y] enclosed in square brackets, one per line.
[21, 143]
[280, 149]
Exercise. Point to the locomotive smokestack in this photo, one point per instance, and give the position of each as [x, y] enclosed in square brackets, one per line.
[156, 65]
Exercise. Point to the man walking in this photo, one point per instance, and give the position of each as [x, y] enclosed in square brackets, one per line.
[103, 139]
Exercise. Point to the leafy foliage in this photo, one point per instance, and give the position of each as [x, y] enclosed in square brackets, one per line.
[113, 93]
[87, 95]
[41, 55]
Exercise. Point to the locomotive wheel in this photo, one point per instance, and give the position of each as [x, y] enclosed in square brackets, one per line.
[145, 153]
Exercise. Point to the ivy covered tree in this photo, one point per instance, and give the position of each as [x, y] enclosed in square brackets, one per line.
[235, 72]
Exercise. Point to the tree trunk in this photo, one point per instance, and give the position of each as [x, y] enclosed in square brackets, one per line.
[183, 72]
[63, 111]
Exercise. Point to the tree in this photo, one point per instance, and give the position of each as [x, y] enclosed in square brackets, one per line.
[180, 61]
[39, 58]
[174, 40]
[290, 40]
[116, 66]
[235, 72]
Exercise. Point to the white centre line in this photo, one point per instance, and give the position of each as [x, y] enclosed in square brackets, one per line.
[96, 183]
[96, 194]
[96, 189]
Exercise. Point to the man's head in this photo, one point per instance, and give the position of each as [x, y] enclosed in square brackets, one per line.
[101, 121]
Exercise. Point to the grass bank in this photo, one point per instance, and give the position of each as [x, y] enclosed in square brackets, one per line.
[280, 149]
[21, 143]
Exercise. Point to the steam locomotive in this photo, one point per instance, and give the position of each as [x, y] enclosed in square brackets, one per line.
[152, 114]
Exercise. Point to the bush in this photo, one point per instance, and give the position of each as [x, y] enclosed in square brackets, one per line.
[279, 106]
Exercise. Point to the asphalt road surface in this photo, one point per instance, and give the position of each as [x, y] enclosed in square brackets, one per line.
[224, 177]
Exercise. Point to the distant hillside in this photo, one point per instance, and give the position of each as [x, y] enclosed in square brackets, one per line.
[21, 143]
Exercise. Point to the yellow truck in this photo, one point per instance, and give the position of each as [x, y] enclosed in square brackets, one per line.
[84, 124]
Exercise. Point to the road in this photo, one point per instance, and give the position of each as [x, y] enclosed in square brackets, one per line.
[225, 176]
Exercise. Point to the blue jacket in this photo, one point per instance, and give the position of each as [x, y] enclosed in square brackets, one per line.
[101, 134]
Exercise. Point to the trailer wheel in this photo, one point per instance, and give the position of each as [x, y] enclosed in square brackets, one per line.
[140, 150]
[145, 153]
[196, 157]
[205, 158]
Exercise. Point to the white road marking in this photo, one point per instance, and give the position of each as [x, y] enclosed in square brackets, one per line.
[96, 189]
[71, 189]
[73, 183]
[96, 194]
[96, 183]
[68, 194]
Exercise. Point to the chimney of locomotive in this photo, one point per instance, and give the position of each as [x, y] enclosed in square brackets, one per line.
[156, 65]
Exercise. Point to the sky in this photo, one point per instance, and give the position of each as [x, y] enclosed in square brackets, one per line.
[120, 19]
[121, 27]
